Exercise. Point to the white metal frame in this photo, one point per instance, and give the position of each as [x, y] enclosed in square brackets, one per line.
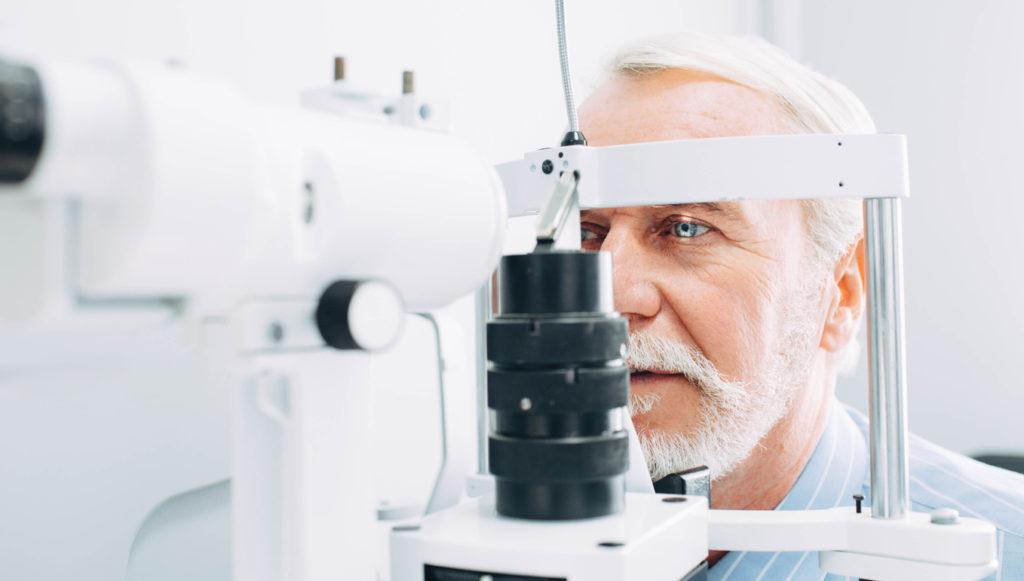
[908, 548]
[769, 167]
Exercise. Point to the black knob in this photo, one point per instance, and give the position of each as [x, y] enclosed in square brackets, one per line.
[22, 121]
[360, 314]
[573, 138]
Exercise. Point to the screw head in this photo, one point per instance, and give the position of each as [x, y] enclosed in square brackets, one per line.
[308, 208]
[276, 332]
[547, 166]
[945, 516]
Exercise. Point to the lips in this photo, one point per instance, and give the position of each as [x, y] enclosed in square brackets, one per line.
[650, 376]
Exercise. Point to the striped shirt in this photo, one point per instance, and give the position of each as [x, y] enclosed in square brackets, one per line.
[838, 469]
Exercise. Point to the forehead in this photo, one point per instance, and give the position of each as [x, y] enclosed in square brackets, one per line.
[680, 104]
[676, 104]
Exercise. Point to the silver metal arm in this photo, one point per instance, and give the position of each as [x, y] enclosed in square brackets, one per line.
[883, 239]
[482, 305]
[557, 210]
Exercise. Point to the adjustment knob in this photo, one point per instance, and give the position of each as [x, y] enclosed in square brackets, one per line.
[360, 314]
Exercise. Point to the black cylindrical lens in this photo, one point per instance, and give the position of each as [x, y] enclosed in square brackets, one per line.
[556, 386]
[21, 122]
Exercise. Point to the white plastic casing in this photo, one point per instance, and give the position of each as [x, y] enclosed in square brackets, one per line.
[197, 193]
[650, 540]
[766, 167]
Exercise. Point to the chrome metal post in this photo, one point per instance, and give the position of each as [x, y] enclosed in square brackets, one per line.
[483, 315]
[887, 372]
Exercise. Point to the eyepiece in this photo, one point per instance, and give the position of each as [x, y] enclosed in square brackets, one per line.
[556, 388]
[22, 121]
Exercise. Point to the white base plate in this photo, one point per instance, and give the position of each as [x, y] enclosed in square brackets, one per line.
[660, 541]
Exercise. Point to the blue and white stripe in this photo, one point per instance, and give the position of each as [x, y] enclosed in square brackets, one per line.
[838, 469]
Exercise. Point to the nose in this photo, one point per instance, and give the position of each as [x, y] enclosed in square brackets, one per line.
[636, 295]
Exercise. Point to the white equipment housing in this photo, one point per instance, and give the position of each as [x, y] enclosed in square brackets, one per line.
[655, 539]
[182, 198]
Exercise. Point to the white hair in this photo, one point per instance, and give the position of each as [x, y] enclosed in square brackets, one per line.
[812, 102]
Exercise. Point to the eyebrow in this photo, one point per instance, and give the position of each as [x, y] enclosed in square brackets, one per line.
[727, 210]
[709, 206]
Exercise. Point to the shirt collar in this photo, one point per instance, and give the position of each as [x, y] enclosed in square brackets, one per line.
[835, 472]
[837, 468]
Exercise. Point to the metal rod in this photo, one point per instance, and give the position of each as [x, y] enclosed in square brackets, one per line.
[887, 372]
[557, 210]
[408, 82]
[339, 68]
[483, 315]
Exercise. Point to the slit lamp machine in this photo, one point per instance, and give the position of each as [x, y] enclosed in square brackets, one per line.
[162, 188]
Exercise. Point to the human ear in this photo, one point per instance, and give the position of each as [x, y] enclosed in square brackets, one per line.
[848, 303]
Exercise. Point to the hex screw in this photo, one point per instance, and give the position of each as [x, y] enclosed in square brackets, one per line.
[308, 210]
[276, 332]
[339, 68]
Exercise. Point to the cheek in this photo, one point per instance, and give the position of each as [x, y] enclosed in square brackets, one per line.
[729, 313]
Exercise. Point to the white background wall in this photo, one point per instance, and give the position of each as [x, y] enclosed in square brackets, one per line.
[950, 75]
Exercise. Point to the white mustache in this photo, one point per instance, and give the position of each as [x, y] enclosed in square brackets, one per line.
[646, 352]
[728, 418]
[722, 436]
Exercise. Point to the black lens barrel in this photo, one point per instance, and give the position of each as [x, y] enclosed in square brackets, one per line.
[556, 387]
[22, 121]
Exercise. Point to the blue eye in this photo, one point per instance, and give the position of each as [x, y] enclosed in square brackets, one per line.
[588, 234]
[689, 229]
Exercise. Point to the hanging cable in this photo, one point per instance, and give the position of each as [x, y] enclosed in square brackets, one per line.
[573, 137]
[563, 57]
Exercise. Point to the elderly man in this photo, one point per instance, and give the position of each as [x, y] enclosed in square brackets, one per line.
[742, 314]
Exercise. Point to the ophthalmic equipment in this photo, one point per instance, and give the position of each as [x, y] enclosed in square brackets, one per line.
[158, 190]
[164, 190]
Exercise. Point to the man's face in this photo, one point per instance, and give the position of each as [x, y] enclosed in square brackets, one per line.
[724, 309]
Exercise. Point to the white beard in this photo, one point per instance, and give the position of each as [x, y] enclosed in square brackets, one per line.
[733, 416]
